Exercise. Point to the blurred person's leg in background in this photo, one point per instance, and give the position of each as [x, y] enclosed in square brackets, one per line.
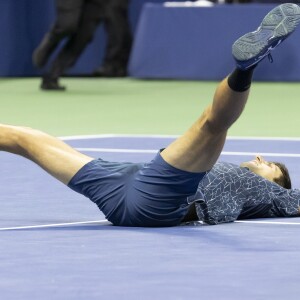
[92, 13]
[68, 13]
[119, 40]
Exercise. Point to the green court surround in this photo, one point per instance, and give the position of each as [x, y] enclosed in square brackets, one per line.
[122, 106]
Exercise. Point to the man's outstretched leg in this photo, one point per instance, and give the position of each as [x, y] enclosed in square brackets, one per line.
[199, 148]
[50, 153]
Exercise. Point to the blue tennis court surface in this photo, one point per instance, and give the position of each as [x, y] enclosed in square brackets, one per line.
[56, 244]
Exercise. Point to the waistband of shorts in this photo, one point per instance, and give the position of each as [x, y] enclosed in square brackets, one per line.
[160, 160]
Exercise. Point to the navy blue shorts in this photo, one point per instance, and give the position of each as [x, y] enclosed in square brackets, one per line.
[137, 194]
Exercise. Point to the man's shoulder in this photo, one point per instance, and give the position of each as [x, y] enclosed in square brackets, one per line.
[228, 167]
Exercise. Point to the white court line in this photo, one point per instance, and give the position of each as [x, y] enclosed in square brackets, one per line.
[228, 153]
[53, 225]
[268, 222]
[105, 221]
[263, 154]
[113, 150]
[105, 136]
[162, 136]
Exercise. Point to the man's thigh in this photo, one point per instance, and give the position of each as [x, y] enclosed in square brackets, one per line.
[198, 149]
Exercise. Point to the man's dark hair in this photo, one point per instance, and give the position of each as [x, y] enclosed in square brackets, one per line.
[284, 180]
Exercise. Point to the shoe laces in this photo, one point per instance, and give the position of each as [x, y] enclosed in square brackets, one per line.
[270, 58]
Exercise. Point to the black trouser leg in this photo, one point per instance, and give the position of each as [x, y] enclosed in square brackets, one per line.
[91, 16]
[68, 13]
[119, 36]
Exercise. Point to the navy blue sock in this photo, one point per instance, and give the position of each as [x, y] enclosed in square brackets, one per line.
[240, 80]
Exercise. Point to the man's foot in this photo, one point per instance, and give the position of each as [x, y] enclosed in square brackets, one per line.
[276, 26]
[51, 84]
[110, 71]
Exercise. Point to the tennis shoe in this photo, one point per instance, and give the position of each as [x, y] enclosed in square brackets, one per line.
[276, 26]
[51, 84]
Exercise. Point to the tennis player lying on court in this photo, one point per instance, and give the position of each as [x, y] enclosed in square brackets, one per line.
[183, 182]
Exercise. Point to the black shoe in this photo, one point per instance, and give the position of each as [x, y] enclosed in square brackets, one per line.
[51, 85]
[110, 71]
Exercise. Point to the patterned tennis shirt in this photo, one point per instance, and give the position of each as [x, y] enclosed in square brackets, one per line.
[229, 192]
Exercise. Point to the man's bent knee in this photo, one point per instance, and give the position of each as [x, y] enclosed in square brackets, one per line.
[213, 128]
